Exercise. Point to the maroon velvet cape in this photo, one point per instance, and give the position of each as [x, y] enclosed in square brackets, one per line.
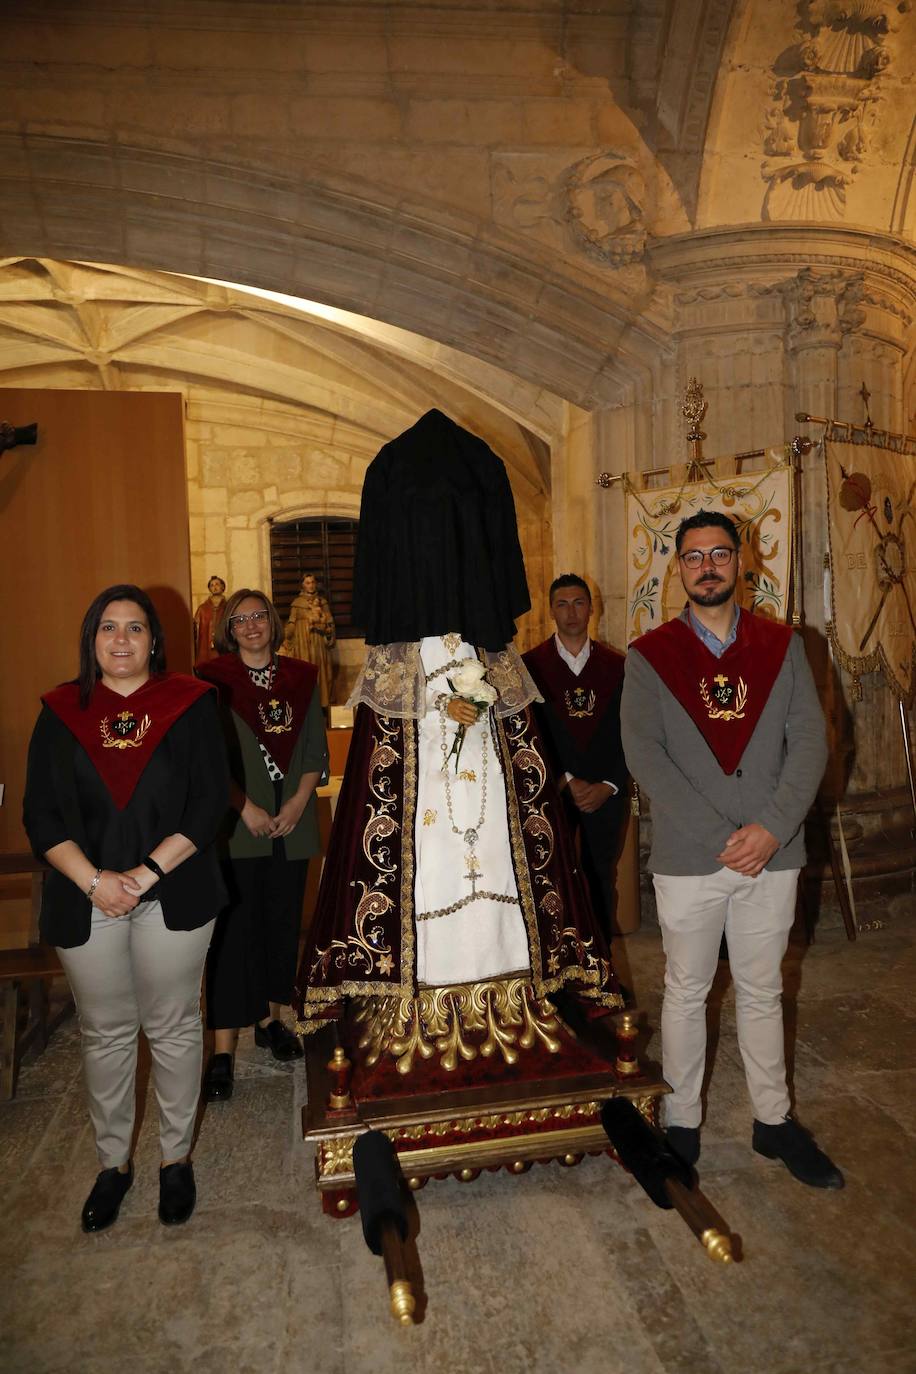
[362, 940]
[120, 733]
[275, 715]
[724, 697]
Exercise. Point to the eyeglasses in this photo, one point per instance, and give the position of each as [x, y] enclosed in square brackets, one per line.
[256, 616]
[695, 558]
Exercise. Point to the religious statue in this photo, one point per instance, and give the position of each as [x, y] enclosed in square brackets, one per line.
[450, 877]
[311, 633]
[207, 618]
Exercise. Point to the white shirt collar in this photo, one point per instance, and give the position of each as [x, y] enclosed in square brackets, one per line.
[575, 662]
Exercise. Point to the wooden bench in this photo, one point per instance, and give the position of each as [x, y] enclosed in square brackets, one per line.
[27, 969]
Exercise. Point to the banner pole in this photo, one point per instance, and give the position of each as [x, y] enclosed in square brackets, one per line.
[907, 752]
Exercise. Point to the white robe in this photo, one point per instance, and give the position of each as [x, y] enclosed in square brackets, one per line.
[484, 939]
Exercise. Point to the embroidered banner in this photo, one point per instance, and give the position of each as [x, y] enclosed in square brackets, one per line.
[760, 503]
[871, 600]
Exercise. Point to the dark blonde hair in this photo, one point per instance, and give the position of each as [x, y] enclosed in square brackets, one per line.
[223, 639]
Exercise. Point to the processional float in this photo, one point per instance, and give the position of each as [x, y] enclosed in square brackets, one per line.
[411, 1080]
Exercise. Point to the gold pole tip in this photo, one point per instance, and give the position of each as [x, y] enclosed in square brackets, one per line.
[718, 1247]
[403, 1302]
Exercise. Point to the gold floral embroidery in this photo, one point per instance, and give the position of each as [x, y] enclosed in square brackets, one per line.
[429, 816]
[467, 775]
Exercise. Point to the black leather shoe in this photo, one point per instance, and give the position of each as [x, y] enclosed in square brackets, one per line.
[685, 1142]
[101, 1207]
[793, 1145]
[218, 1078]
[281, 1042]
[177, 1194]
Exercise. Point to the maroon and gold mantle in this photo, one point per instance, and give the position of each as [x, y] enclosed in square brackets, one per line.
[724, 697]
[362, 940]
[276, 714]
[120, 733]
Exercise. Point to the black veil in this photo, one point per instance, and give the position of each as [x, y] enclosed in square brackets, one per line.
[438, 546]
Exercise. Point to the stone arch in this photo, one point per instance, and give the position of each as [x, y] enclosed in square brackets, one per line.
[424, 268]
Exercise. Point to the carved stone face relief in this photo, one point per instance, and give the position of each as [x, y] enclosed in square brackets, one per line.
[604, 206]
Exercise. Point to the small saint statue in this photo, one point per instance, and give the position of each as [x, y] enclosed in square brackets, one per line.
[207, 618]
[311, 634]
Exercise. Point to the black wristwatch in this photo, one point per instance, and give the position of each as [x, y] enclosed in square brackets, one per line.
[153, 867]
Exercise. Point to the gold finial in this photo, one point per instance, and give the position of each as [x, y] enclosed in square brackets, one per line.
[718, 1247]
[693, 410]
[403, 1302]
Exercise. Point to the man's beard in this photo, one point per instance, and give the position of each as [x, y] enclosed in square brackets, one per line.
[713, 594]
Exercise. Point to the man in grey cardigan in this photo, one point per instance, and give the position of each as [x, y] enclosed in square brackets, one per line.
[723, 730]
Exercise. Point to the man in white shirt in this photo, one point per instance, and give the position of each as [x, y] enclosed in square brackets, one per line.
[581, 682]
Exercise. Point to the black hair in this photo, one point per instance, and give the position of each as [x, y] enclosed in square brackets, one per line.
[707, 519]
[567, 580]
[89, 668]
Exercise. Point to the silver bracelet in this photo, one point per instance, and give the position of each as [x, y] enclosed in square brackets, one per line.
[94, 884]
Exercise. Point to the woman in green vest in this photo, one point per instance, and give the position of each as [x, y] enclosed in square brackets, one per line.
[278, 754]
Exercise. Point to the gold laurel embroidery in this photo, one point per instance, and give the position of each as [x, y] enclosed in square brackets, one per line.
[109, 743]
[281, 728]
[584, 706]
[717, 713]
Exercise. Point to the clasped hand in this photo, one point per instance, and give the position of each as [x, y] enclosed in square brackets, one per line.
[588, 796]
[749, 850]
[262, 825]
[118, 893]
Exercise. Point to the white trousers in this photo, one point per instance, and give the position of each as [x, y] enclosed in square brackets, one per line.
[756, 915]
[134, 972]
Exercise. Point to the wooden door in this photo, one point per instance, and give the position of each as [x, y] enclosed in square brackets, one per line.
[101, 499]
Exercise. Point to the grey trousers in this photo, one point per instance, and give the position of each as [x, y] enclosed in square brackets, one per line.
[133, 972]
[756, 915]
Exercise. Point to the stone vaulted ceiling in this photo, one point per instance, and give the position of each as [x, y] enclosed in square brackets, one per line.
[84, 325]
[509, 179]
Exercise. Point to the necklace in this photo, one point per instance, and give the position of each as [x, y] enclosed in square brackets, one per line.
[472, 834]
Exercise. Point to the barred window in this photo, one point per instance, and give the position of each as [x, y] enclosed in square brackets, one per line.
[325, 547]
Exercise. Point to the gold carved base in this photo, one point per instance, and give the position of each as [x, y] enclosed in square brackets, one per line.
[500, 1016]
[462, 1144]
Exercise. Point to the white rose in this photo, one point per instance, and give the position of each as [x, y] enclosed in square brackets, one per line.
[467, 675]
[482, 694]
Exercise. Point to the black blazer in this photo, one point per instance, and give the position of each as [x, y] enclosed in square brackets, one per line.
[187, 792]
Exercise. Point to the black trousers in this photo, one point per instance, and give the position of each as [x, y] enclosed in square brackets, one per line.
[600, 841]
[255, 947]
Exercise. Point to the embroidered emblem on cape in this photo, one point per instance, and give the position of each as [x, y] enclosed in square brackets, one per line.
[724, 693]
[278, 718]
[128, 731]
[452, 642]
[579, 703]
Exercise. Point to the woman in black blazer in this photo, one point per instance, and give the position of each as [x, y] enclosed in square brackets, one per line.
[127, 786]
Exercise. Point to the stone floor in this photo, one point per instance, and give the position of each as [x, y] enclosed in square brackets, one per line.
[558, 1270]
